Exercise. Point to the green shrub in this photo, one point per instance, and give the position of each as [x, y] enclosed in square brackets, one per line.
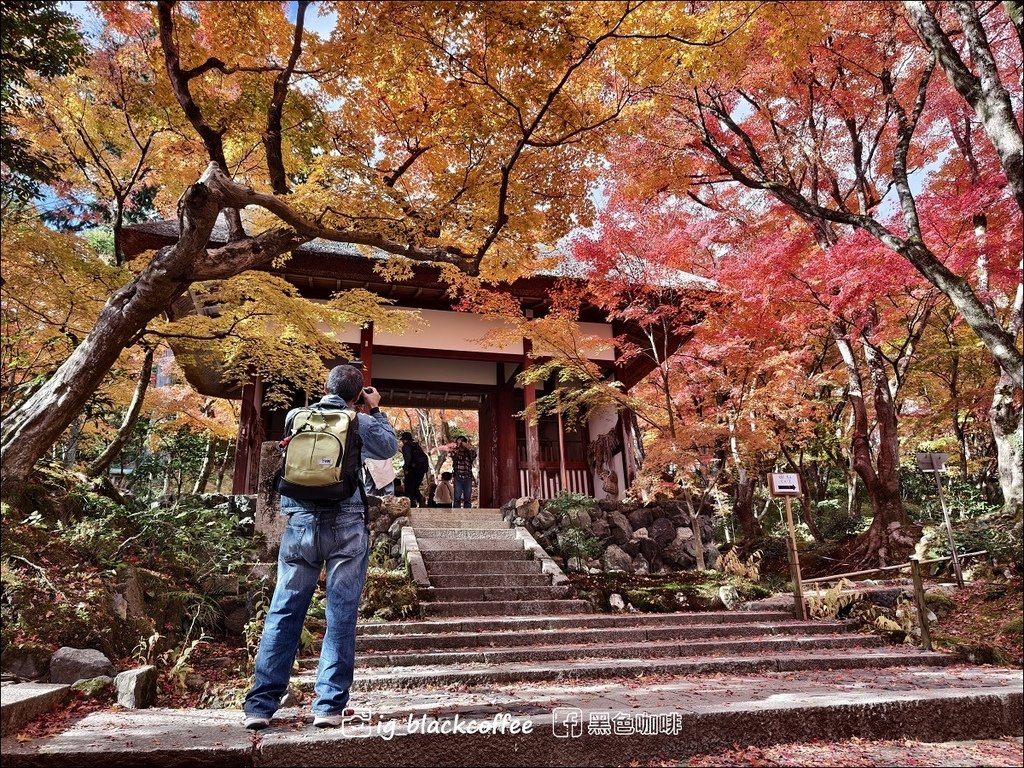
[566, 503]
[576, 542]
[389, 595]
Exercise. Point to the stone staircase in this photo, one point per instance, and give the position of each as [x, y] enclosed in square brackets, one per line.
[506, 670]
[477, 565]
[585, 647]
[577, 690]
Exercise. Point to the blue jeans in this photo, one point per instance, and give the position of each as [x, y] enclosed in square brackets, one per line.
[340, 540]
[463, 492]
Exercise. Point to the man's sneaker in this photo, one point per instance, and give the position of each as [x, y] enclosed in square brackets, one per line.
[254, 723]
[331, 721]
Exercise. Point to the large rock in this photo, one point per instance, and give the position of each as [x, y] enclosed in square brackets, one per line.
[619, 528]
[394, 506]
[662, 531]
[94, 687]
[580, 518]
[543, 520]
[681, 552]
[616, 559]
[650, 549]
[244, 505]
[729, 596]
[600, 530]
[711, 554]
[136, 688]
[29, 661]
[676, 512]
[69, 665]
[640, 518]
[527, 507]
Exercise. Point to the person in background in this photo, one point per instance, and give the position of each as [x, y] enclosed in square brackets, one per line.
[443, 494]
[463, 457]
[416, 465]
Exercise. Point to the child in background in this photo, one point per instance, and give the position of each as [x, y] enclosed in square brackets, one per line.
[443, 494]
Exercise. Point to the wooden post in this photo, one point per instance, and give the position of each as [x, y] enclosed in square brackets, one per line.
[794, 563]
[949, 525]
[922, 606]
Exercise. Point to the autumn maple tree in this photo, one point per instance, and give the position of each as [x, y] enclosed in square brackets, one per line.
[842, 127]
[462, 136]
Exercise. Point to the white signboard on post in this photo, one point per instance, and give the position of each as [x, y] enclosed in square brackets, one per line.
[784, 483]
[932, 462]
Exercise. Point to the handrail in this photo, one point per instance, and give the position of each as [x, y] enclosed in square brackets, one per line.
[837, 577]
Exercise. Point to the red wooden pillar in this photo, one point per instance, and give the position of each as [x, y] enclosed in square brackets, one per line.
[250, 437]
[506, 459]
[486, 450]
[627, 434]
[366, 353]
[532, 438]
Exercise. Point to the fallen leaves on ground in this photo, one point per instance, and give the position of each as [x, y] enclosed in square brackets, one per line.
[861, 752]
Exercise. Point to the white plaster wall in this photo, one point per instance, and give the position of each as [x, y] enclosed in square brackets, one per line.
[601, 331]
[440, 330]
[433, 369]
[464, 331]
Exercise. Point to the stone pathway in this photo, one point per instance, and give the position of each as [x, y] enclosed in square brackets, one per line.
[507, 671]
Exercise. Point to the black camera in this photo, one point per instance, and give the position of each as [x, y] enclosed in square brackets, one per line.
[361, 400]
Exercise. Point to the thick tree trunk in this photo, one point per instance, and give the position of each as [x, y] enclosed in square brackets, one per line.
[131, 418]
[38, 422]
[744, 507]
[880, 474]
[1007, 424]
[33, 427]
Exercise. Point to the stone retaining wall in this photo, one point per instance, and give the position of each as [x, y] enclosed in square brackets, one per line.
[617, 536]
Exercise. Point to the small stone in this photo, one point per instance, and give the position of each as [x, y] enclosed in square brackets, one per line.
[617, 603]
[729, 596]
[94, 687]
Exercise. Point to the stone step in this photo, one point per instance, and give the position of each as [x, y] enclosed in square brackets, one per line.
[580, 635]
[504, 593]
[584, 620]
[464, 580]
[505, 608]
[481, 567]
[597, 669]
[460, 512]
[480, 525]
[492, 550]
[571, 652]
[490, 546]
[22, 702]
[458, 535]
[569, 725]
